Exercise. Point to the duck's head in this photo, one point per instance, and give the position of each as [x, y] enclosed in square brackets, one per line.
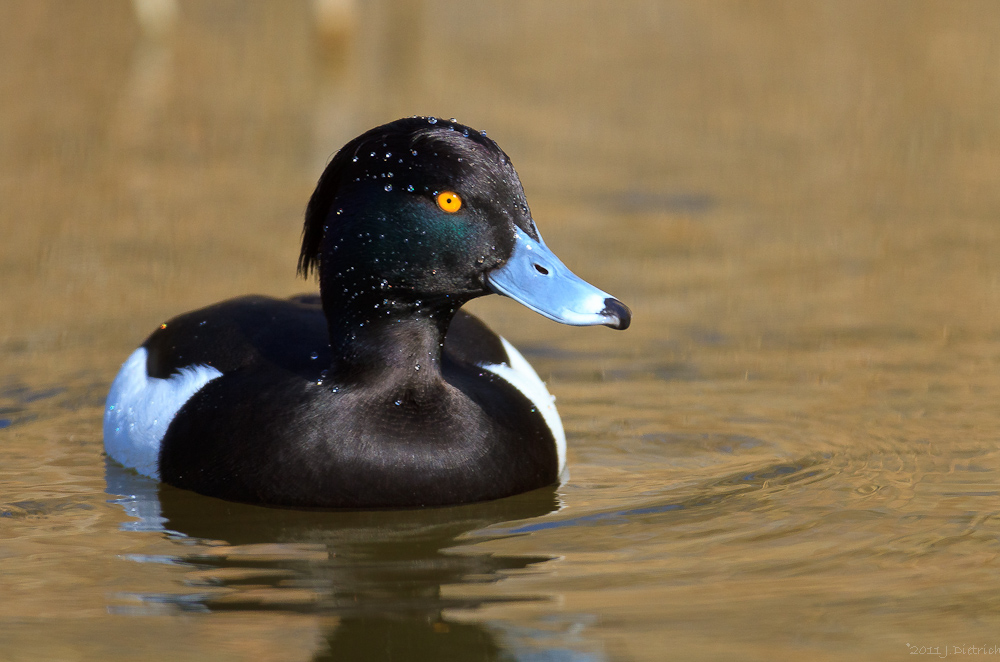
[418, 216]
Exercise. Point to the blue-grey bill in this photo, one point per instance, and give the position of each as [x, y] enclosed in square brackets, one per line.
[536, 278]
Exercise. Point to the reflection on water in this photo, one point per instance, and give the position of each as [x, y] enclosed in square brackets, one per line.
[791, 454]
[384, 575]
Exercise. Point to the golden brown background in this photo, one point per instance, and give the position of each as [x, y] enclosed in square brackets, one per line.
[793, 452]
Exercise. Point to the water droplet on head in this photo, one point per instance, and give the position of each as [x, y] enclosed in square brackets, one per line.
[410, 188]
[314, 356]
[413, 151]
[483, 132]
[453, 120]
[399, 402]
[388, 187]
[432, 120]
[355, 159]
[373, 154]
[388, 155]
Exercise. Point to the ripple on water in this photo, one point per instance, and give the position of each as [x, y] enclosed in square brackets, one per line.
[712, 495]
[680, 444]
[41, 508]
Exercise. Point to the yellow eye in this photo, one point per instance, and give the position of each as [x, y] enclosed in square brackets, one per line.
[449, 201]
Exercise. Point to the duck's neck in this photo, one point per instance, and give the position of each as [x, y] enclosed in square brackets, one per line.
[386, 342]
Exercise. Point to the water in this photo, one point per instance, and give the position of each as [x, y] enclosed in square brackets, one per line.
[791, 454]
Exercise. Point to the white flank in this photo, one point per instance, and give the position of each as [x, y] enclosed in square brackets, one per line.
[523, 377]
[139, 409]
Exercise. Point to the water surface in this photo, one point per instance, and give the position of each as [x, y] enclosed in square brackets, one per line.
[792, 454]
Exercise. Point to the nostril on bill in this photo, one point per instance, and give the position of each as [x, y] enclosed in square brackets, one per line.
[542, 270]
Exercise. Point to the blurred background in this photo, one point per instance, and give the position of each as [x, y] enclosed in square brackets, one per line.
[792, 452]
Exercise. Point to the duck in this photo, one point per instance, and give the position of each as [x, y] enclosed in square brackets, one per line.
[380, 391]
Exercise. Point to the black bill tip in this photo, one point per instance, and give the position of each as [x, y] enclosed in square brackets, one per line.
[619, 312]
